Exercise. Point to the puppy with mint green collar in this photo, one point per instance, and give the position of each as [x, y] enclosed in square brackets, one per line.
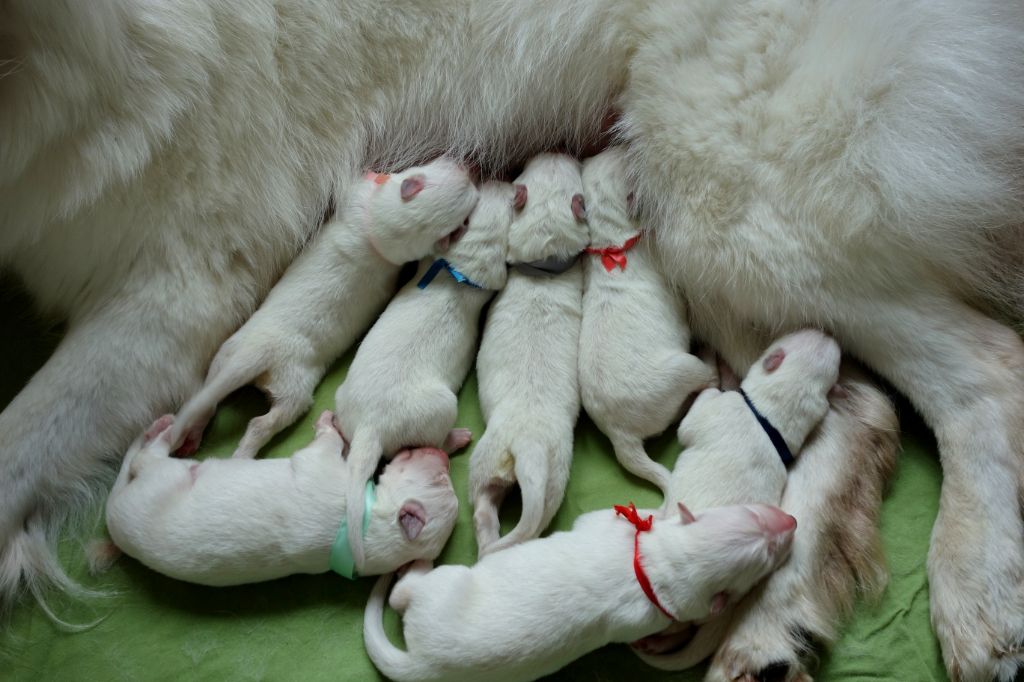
[330, 295]
[402, 386]
[634, 365]
[527, 367]
[233, 521]
[530, 609]
[737, 447]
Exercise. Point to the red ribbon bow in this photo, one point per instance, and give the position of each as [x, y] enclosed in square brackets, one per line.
[642, 525]
[614, 255]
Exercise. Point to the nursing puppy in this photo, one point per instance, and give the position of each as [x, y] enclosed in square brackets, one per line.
[234, 521]
[634, 368]
[531, 609]
[730, 458]
[330, 295]
[401, 387]
[527, 367]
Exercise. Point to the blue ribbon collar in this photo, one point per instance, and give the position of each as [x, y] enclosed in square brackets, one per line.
[773, 433]
[442, 264]
[342, 562]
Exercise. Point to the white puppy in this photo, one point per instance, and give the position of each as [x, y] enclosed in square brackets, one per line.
[233, 521]
[529, 610]
[527, 371]
[736, 455]
[634, 368]
[401, 387]
[330, 295]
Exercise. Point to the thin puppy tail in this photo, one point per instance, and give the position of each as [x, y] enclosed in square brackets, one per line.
[389, 659]
[363, 455]
[704, 643]
[532, 468]
[629, 450]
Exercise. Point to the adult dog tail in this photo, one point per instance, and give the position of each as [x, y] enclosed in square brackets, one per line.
[363, 456]
[393, 662]
[629, 450]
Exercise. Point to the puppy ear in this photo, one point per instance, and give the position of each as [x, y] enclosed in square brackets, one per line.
[719, 602]
[412, 517]
[685, 514]
[579, 207]
[411, 186]
[774, 360]
[519, 201]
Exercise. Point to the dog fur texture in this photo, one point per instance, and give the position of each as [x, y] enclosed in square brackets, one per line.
[634, 369]
[402, 386]
[527, 365]
[854, 165]
[329, 296]
[585, 575]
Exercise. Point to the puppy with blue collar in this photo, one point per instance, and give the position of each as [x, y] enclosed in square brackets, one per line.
[737, 448]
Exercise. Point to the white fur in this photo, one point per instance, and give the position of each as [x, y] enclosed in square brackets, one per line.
[853, 165]
[634, 368]
[527, 366]
[527, 611]
[234, 521]
[729, 459]
[328, 297]
[401, 387]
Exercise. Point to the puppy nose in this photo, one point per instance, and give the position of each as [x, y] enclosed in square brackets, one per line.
[773, 520]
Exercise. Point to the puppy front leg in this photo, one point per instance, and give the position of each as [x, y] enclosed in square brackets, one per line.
[835, 492]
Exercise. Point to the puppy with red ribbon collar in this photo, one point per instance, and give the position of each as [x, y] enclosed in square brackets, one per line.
[330, 295]
[529, 610]
[634, 366]
[738, 445]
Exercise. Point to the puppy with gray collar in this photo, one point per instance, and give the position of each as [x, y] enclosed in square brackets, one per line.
[738, 445]
[616, 576]
[634, 368]
[330, 295]
[233, 521]
[402, 386]
[527, 366]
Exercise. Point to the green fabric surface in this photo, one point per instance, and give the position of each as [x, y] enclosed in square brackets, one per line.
[309, 627]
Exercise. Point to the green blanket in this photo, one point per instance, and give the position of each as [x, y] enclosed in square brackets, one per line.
[309, 627]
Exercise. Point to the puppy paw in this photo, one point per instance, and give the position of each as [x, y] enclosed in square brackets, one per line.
[456, 440]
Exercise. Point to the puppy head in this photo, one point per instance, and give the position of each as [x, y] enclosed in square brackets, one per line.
[550, 219]
[411, 212]
[700, 564]
[789, 384]
[480, 250]
[414, 512]
[609, 202]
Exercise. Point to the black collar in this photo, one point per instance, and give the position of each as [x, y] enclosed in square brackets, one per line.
[773, 433]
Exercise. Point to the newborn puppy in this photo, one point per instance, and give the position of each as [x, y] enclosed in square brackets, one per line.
[730, 456]
[527, 611]
[529, 391]
[401, 387]
[634, 368]
[330, 295]
[234, 521]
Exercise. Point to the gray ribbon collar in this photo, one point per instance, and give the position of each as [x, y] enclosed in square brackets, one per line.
[547, 267]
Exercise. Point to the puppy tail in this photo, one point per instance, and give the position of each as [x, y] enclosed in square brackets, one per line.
[629, 450]
[532, 469]
[389, 659]
[363, 456]
[704, 643]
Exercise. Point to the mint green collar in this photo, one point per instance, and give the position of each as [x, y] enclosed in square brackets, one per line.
[342, 562]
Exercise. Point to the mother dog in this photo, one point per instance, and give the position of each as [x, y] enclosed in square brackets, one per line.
[853, 164]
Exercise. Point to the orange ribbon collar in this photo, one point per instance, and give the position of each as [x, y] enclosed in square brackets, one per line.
[614, 255]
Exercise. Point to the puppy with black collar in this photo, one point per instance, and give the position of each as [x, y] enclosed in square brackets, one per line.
[634, 368]
[330, 295]
[527, 367]
[737, 447]
[233, 521]
[616, 576]
[402, 386]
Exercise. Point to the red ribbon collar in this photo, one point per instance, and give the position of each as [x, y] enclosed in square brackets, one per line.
[614, 255]
[642, 525]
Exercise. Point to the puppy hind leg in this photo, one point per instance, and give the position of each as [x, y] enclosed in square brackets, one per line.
[291, 397]
[835, 491]
[629, 450]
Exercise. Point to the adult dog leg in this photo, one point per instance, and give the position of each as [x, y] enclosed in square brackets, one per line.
[964, 372]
